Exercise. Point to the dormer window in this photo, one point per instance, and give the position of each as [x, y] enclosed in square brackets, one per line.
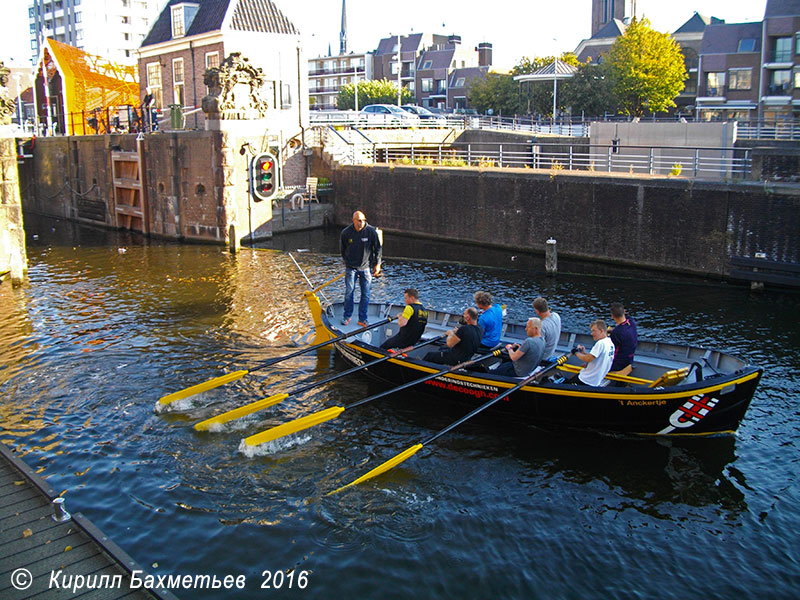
[747, 45]
[182, 16]
[178, 26]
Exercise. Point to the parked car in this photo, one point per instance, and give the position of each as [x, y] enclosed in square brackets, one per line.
[387, 114]
[425, 115]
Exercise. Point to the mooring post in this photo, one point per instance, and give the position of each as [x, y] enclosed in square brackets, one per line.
[551, 257]
[233, 240]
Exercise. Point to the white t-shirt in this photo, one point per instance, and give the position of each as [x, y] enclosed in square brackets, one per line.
[603, 352]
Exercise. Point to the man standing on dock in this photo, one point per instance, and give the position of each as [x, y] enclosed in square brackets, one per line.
[361, 252]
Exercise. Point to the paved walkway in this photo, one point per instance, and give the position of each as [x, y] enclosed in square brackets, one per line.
[33, 546]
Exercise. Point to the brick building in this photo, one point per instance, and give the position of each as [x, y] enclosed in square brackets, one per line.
[191, 36]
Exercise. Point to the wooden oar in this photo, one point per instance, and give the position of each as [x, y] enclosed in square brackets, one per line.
[248, 409]
[218, 381]
[318, 417]
[396, 460]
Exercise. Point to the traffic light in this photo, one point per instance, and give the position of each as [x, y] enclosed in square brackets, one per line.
[263, 176]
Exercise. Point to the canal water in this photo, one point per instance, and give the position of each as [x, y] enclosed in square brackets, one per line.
[495, 509]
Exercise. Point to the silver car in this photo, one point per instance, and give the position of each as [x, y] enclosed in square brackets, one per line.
[387, 115]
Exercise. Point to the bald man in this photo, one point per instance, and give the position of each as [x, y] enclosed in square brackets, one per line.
[361, 253]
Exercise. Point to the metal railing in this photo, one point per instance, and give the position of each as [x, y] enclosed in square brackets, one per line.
[678, 161]
[352, 118]
[768, 130]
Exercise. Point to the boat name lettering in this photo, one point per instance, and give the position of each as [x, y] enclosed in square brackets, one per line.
[645, 403]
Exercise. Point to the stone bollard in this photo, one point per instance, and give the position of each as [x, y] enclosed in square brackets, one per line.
[233, 240]
[551, 257]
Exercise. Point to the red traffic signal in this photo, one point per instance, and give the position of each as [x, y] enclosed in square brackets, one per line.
[263, 176]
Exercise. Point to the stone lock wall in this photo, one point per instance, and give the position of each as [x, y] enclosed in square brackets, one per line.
[657, 222]
[195, 183]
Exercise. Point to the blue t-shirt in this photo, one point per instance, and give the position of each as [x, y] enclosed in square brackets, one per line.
[491, 320]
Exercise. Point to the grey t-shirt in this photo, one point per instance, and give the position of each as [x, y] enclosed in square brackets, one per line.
[551, 330]
[533, 348]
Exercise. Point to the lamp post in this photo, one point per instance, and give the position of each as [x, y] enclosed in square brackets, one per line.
[399, 72]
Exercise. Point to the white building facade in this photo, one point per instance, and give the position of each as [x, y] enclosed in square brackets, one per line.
[113, 29]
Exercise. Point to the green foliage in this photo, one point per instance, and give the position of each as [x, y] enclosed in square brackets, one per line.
[590, 91]
[496, 91]
[505, 96]
[374, 91]
[646, 69]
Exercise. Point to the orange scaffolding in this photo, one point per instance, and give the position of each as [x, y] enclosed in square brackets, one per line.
[82, 88]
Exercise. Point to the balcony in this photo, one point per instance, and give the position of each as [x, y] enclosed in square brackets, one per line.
[337, 71]
[782, 89]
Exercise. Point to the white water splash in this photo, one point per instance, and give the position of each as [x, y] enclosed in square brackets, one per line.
[181, 405]
[273, 446]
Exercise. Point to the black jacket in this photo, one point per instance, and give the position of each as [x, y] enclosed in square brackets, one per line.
[360, 249]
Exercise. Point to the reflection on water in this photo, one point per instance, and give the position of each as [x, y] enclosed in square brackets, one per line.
[111, 322]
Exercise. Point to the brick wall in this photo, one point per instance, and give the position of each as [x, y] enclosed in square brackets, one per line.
[667, 224]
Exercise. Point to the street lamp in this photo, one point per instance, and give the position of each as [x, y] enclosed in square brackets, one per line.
[399, 72]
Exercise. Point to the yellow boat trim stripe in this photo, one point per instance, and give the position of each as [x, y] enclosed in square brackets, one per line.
[556, 391]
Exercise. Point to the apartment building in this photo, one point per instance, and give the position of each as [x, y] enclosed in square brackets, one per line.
[328, 74]
[752, 70]
[113, 29]
[436, 65]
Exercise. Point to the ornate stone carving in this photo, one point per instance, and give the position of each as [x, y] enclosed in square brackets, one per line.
[227, 84]
[7, 104]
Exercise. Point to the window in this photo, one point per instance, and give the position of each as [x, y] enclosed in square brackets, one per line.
[212, 60]
[796, 75]
[427, 64]
[739, 79]
[747, 45]
[177, 22]
[715, 84]
[126, 36]
[394, 68]
[78, 17]
[286, 95]
[126, 20]
[427, 84]
[177, 81]
[783, 49]
[459, 82]
[780, 84]
[154, 82]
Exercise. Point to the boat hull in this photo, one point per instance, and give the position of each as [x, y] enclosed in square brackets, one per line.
[712, 405]
[715, 407]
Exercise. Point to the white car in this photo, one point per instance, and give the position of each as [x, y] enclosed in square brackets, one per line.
[378, 115]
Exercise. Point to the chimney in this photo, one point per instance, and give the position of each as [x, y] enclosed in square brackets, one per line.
[484, 54]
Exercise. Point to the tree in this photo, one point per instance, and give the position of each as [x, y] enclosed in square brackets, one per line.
[496, 92]
[590, 91]
[646, 69]
[372, 91]
[537, 97]
[504, 96]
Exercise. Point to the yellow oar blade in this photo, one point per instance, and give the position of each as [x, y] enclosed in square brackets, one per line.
[389, 464]
[242, 411]
[202, 387]
[294, 426]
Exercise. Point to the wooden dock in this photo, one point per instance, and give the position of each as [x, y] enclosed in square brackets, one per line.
[34, 546]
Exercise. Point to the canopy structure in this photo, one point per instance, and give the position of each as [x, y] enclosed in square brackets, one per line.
[556, 70]
[81, 88]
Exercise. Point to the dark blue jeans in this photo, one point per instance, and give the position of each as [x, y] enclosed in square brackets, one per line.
[364, 277]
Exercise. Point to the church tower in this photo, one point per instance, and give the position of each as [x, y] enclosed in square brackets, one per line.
[604, 11]
[343, 33]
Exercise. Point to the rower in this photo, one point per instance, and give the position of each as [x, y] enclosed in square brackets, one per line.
[412, 322]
